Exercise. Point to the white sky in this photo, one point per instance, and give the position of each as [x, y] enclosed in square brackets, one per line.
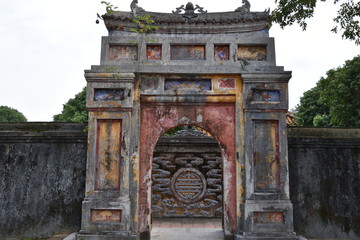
[45, 45]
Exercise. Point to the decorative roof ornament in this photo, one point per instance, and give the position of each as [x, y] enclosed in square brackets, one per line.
[245, 8]
[190, 131]
[135, 8]
[189, 10]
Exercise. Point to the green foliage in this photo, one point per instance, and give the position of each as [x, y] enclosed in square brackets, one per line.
[74, 110]
[298, 11]
[341, 93]
[144, 24]
[310, 107]
[110, 9]
[347, 20]
[335, 101]
[8, 114]
[322, 120]
[174, 130]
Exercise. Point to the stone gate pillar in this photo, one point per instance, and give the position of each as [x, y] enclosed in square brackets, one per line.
[106, 212]
[267, 208]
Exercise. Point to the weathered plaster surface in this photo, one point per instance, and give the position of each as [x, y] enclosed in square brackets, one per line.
[42, 178]
[218, 119]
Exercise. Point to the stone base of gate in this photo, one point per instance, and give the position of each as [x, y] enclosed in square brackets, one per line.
[268, 220]
[269, 236]
[280, 236]
[108, 236]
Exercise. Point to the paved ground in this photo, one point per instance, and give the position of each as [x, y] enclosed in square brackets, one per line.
[187, 229]
[178, 229]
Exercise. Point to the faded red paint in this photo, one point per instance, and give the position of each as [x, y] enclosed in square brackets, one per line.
[226, 83]
[105, 216]
[268, 217]
[216, 118]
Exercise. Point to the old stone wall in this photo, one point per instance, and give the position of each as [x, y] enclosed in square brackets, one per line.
[325, 181]
[42, 178]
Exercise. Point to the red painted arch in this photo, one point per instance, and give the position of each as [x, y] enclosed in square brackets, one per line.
[216, 118]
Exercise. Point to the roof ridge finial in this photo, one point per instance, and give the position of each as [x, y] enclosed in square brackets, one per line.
[135, 8]
[245, 8]
[189, 10]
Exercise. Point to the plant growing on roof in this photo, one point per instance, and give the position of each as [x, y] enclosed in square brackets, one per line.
[144, 24]
[110, 8]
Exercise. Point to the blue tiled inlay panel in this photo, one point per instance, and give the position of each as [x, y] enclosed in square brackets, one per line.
[267, 95]
[108, 94]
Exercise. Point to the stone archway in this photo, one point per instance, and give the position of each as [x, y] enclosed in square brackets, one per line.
[218, 119]
[213, 70]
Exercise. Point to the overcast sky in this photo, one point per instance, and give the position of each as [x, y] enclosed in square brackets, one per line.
[45, 45]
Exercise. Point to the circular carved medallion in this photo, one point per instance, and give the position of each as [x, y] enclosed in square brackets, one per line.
[188, 185]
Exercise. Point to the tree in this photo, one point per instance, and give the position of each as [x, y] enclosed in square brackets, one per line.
[8, 114]
[289, 12]
[310, 107]
[74, 110]
[335, 101]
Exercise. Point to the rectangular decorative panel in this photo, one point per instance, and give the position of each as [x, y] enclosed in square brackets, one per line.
[153, 52]
[222, 52]
[266, 95]
[226, 83]
[188, 52]
[150, 82]
[118, 52]
[252, 53]
[199, 85]
[266, 155]
[108, 154]
[268, 217]
[105, 216]
[102, 94]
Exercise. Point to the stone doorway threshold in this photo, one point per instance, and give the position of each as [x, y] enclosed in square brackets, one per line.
[186, 229]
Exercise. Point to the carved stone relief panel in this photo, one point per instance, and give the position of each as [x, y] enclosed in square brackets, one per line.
[188, 84]
[187, 184]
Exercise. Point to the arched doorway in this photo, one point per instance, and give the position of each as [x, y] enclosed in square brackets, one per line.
[187, 181]
[219, 120]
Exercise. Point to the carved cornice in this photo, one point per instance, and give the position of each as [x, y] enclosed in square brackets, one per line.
[225, 22]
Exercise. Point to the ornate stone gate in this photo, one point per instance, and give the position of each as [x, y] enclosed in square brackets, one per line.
[212, 70]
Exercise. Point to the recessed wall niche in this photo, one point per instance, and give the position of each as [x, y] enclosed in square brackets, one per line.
[252, 53]
[123, 52]
[187, 52]
[153, 52]
[108, 94]
[221, 52]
